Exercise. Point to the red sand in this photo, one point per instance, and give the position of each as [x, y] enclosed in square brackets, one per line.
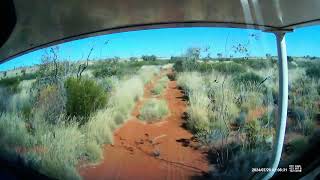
[151, 151]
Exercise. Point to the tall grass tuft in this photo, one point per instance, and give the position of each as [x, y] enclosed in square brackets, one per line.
[153, 109]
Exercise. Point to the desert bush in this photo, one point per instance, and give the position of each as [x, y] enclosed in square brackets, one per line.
[5, 97]
[11, 83]
[108, 69]
[52, 101]
[84, 96]
[146, 73]
[160, 86]
[184, 65]
[13, 131]
[60, 147]
[149, 58]
[247, 78]
[229, 67]
[100, 127]
[240, 166]
[125, 94]
[252, 129]
[158, 89]
[93, 151]
[313, 71]
[257, 64]
[298, 115]
[190, 82]
[153, 109]
[198, 112]
[308, 126]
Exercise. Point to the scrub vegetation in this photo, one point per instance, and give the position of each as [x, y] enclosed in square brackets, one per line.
[62, 113]
[153, 109]
[232, 109]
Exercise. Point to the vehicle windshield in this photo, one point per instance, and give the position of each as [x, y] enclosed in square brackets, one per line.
[172, 103]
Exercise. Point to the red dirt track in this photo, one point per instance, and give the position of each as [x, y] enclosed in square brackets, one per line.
[159, 150]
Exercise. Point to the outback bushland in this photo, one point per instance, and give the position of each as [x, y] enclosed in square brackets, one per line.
[232, 105]
[65, 112]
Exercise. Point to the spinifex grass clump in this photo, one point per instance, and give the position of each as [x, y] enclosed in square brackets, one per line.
[146, 73]
[160, 86]
[153, 109]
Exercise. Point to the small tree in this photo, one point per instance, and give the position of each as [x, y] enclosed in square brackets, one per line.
[5, 74]
[149, 58]
[193, 53]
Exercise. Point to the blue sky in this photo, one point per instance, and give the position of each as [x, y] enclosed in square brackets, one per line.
[174, 41]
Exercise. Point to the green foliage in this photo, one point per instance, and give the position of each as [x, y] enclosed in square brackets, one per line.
[247, 78]
[84, 96]
[298, 115]
[11, 83]
[160, 86]
[116, 68]
[60, 148]
[257, 64]
[252, 129]
[229, 67]
[222, 67]
[93, 151]
[153, 109]
[13, 131]
[198, 112]
[313, 71]
[149, 58]
[108, 69]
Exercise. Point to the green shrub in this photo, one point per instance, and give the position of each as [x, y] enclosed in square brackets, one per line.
[308, 127]
[153, 109]
[257, 64]
[190, 82]
[61, 147]
[247, 78]
[13, 131]
[93, 151]
[229, 67]
[252, 129]
[126, 93]
[298, 115]
[160, 86]
[157, 90]
[108, 69]
[100, 127]
[146, 73]
[313, 71]
[198, 112]
[11, 83]
[84, 96]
